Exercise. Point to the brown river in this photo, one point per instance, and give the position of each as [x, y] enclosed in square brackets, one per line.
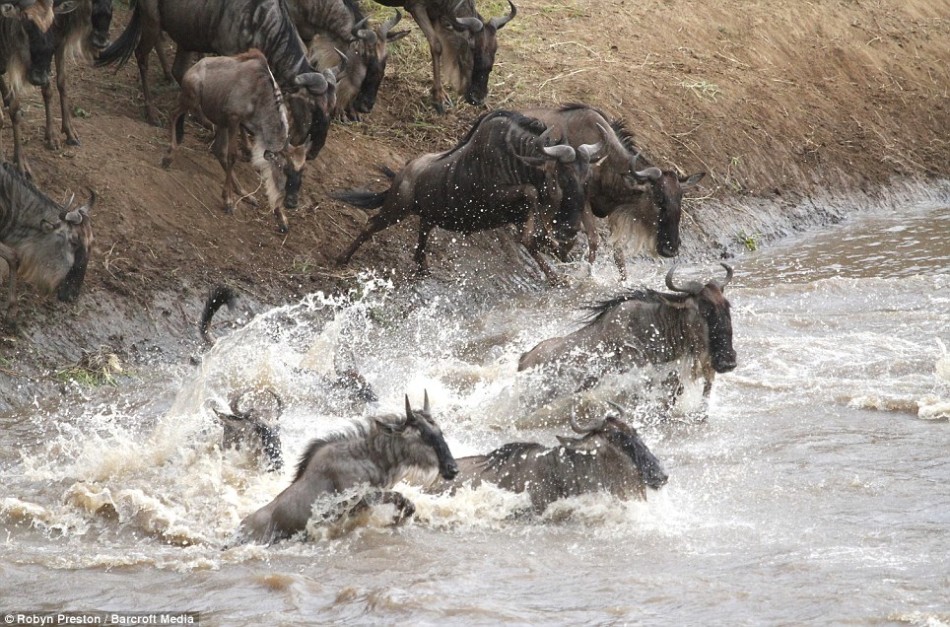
[814, 492]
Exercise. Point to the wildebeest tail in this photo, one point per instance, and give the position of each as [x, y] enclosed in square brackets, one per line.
[219, 296]
[120, 51]
[387, 171]
[362, 198]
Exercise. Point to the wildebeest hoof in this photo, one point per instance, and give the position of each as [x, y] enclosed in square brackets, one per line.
[250, 200]
[73, 141]
[228, 209]
[166, 162]
[52, 144]
[282, 227]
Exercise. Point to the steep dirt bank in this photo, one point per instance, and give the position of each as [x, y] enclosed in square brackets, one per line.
[776, 101]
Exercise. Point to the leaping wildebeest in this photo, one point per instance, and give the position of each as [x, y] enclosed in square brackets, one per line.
[499, 173]
[329, 27]
[462, 43]
[42, 242]
[377, 455]
[609, 457]
[689, 331]
[80, 33]
[641, 201]
[237, 94]
[227, 28]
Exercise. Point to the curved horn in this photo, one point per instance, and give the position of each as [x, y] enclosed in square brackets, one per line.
[652, 173]
[689, 288]
[425, 404]
[613, 142]
[355, 31]
[561, 152]
[597, 424]
[388, 24]
[314, 81]
[498, 22]
[408, 409]
[589, 152]
[471, 24]
[620, 411]
[722, 285]
[280, 401]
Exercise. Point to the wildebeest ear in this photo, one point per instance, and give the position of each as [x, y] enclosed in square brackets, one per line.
[687, 182]
[399, 34]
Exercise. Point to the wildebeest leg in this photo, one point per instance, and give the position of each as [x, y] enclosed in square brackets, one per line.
[72, 139]
[675, 389]
[13, 264]
[12, 102]
[590, 228]
[420, 257]
[181, 65]
[221, 147]
[382, 220]
[52, 142]
[146, 44]
[176, 131]
[530, 238]
[620, 261]
[418, 11]
[404, 507]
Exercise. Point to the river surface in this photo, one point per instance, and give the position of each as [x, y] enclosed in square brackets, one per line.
[814, 492]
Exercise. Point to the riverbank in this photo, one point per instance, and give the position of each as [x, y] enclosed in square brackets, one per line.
[784, 106]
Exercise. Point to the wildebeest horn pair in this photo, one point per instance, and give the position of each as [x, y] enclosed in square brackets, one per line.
[364, 34]
[409, 413]
[694, 287]
[76, 216]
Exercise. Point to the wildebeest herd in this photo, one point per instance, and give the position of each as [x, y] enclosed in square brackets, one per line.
[281, 72]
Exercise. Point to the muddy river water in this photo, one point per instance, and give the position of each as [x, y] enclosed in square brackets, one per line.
[814, 492]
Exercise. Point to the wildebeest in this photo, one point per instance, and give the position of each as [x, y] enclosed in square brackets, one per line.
[378, 455]
[610, 457]
[494, 176]
[80, 33]
[690, 329]
[238, 94]
[462, 43]
[253, 425]
[44, 243]
[640, 200]
[230, 27]
[25, 54]
[328, 27]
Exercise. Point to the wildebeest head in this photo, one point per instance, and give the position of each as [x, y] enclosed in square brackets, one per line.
[618, 433]
[476, 62]
[421, 424]
[101, 19]
[366, 66]
[249, 429]
[56, 259]
[666, 189]
[714, 310]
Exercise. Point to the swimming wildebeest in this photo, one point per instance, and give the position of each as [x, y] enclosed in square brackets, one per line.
[230, 27]
[689, 330]
[462, 43]
[609, 457]
[238, 94]
[43, 243]
[378, 455]
[495, 175]
[80, 33]
[330, 26]
[251, 424]
[641, 201]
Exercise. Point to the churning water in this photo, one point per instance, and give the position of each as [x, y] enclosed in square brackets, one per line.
[814, 492]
